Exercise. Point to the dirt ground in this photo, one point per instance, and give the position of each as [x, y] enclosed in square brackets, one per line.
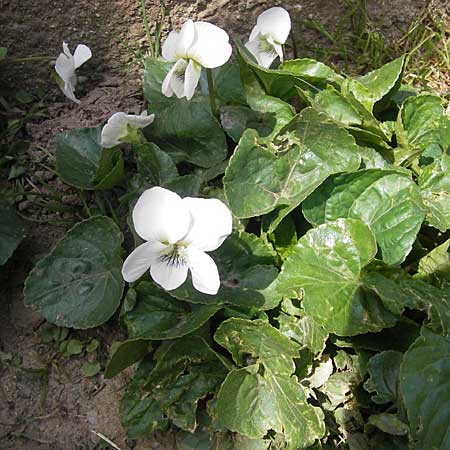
[45, 401]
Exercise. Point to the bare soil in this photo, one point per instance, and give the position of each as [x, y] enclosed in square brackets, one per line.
[45, 402]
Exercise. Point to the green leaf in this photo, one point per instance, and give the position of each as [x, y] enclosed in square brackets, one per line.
[187, 131]
[435, 266]
[154, 166]
[326, 268]
[140, 413]
[71, 347]
[422, 128]
[158, 316]
[90, 369]
[79, 283]
[227, 83]
[434, 182]
[78, 154]
[12, 231]
[264, 395]
[304, 330]
[338, 388]
[3, 52]
[261, 178]
[111, 169]
[380, 84]
[384, 371]
[372, 159]
[425, 388]
[312, 71]
[276, 112]
[388, 201]
[154, 73]
[92, 345]
[388, 423]
[247, 273]
[284, 237]
[126, 354]
[187, 370]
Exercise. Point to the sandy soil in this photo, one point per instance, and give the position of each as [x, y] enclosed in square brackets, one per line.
[45, 402]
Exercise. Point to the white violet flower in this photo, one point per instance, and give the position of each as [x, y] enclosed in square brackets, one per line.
[269, 34]
[197, 45]
[118, 127]
[178, 233]
[65, 67]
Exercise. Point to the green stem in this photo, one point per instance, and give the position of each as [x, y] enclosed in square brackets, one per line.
[147, 28]
[212, 98]
[26, 59]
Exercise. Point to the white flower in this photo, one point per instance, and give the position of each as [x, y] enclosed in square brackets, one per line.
[197, 45]
[179, 232]
[269, 34]
[65, 67]
[117, 128]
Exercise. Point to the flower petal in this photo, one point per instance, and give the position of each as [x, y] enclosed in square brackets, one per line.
[141, 121]
[168, 276]
[177, 43]
[64, 67]
[191, 77]
[264, 53]
[161, 215]
[174, 81]
[211, 47]
[66, 50]
[140, 260]
[254, 34]
[81, 55]
[205, 276]
[212, 222]
[114, 129]
[276, 23]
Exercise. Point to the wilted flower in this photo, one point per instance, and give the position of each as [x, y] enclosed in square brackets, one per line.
[65, 67]
[197, 45]
[179, 232]
[120, 125]
[269, 34]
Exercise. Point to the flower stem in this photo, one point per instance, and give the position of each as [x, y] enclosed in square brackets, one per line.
[212, 98]
[147, 29]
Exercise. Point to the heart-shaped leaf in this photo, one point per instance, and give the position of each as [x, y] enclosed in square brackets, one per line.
[326, 268]
[261, 178]
[79, 283]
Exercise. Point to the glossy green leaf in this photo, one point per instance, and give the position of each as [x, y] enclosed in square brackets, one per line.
[12, 231]
[384, 371]
[304, 330]
[326, 268]
[434, 182]
[425, 388]
[154, 166]
[140, 413]
[388, 201]
[435, 266]
[154, 73]
[388, 423]
[126, 354]
[422, 128]
[261, 178]
[247, 273]
[310, 70]
[380, 84]
[187, 131]
[264, 394]
[186, 371]
[275, 112]
[79, 283]
[158, 316]
[78, 155]
[111, 169]
[227, 84]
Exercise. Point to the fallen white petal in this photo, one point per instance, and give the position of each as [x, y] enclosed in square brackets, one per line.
[168, 276]
[205, 276]
[211, 224]
[161, 215]
[140, 260]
